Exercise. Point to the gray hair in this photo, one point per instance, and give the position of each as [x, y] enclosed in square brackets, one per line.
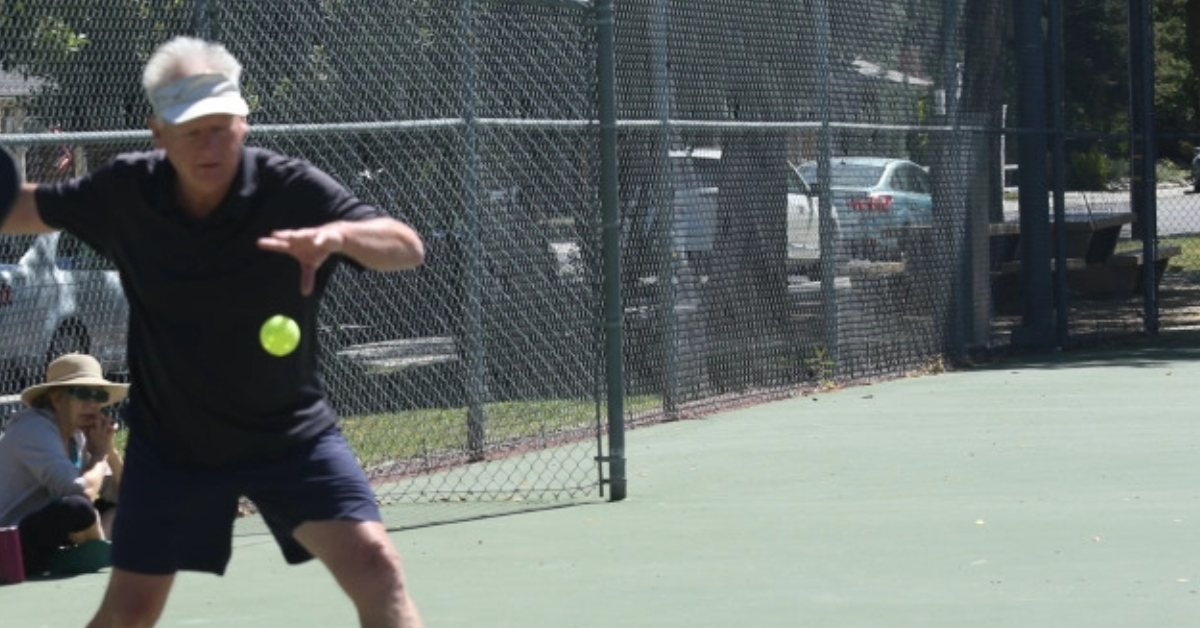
[184, 56]
[43, 401]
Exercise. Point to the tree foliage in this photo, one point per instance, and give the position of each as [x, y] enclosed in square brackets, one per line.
[1096, 71]
[1177, 60]
[85, 56]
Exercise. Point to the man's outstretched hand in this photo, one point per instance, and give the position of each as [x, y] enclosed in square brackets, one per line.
[310, 246]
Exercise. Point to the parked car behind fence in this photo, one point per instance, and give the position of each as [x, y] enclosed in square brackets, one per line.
[869, 197]
[57, 296]
[686, 230]
[872, 197]
[804, 227]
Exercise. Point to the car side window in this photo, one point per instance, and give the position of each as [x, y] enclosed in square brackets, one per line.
[908, 179]
[74, 254]
[921, 181]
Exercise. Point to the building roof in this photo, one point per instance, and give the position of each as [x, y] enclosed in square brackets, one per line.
[14, 84]
[867, 68]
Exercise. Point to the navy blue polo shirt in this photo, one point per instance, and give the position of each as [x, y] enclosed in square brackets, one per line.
[204, 392]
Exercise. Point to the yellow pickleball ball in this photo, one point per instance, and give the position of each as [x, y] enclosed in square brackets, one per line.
[280, 335]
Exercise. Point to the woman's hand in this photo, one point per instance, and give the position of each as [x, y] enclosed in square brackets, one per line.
[99, 435]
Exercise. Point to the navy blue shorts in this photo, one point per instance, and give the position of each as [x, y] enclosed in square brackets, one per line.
[182, 519]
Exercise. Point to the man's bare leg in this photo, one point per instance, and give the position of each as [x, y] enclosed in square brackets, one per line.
[132, 600]
[363, 560]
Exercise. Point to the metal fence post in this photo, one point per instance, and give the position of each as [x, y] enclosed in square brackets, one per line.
[665, 197]
[610, 210]
[1036, 329]
[826, 226]
[1058, 153]
[955, 226]
[202, 20]
[1144, 197]
[473, 332]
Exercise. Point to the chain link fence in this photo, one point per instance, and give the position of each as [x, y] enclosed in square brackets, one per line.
[810, 194]
[803, 199]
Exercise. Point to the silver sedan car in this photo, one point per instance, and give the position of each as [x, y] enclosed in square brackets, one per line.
[870, 197]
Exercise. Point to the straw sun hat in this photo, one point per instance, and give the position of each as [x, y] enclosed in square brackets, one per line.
[75, 369]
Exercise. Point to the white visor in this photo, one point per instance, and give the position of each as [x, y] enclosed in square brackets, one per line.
[198, 95]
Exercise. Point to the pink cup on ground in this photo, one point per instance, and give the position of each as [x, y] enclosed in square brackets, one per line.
[12, 567]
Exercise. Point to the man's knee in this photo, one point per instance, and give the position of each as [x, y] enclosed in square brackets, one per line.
[365, 559]
[378, 563]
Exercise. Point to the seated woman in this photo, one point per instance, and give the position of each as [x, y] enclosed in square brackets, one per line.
[57, 461]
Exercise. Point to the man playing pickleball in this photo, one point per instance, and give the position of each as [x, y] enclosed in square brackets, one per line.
[210, 237]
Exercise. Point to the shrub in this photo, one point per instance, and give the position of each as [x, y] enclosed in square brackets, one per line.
[1087, 171]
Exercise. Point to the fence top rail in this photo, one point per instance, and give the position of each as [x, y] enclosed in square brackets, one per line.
[564, 4]
[280, 130]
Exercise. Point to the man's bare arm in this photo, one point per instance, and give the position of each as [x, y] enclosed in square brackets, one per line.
[383, 244]
[24, 217]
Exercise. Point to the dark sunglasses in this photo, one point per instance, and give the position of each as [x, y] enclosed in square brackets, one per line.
[98, 395]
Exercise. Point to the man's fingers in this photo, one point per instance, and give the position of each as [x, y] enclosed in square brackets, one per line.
[321, 239]
[270, 243]
[298, 243]
[308, 277]
[309, 247]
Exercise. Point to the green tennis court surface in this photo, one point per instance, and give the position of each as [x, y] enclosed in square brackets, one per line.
[1062, 491]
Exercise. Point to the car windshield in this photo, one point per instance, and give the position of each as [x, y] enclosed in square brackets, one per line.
[795, 184]
[708, 172]
[844, 175]
[695, 170]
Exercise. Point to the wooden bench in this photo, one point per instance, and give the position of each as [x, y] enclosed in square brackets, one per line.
[1120, 275]
[1162, 259]
[1006, 282]
[865, 268]
[879, 288]
[1092, 237]
[1093, 267]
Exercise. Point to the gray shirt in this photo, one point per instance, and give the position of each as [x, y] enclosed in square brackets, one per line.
[34, 468]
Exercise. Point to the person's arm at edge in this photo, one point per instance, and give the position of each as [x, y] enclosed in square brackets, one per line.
[93, 477]
[117, 464]
[24, 217]
[383, 244]
[38, 447]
